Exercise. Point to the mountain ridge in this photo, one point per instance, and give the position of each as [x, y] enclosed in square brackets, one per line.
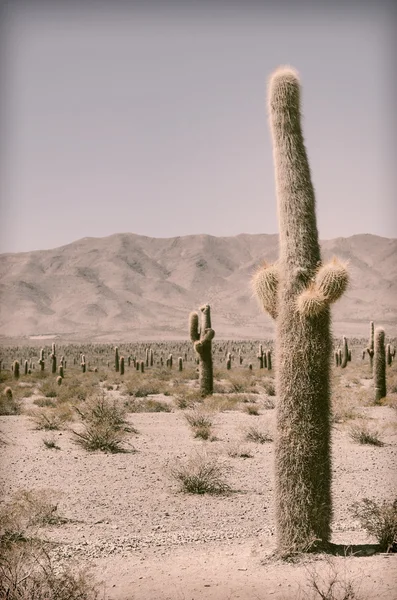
[142, 287]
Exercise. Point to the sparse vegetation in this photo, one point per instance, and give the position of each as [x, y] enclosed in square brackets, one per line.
[257, 435]
[362, 434]
[379, 520]
[202, 474]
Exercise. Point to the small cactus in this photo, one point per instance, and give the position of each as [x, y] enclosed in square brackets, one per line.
[379, 364]
[83, 364]
[59, 380]
[122, 365]
[116, 359]
[15, 368]
[60, 371]
[41, 360]
[202, 340]
[180, 363]
[26, 367]
[8, 393]
[142, 364]
[370, 348]
[345, 353]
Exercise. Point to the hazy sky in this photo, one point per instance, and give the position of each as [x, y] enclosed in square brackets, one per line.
[151, 118]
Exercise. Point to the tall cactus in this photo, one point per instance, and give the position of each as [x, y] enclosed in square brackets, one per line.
[297, 291]
[116, 360]
[379, 364]
[345, 353]
[202, 339]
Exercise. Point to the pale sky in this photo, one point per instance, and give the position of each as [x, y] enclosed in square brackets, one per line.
[151, 118]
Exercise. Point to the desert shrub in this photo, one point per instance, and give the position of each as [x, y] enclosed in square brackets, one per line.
[45, 402]
[146, 405]
[328, 584]
[259, 436]
[362, 434]
[101, 436]
[141, 389]
[201, 423]
[251, 409]
[242, 382]
[268, 403]
[187, 398]
[379, 520]
[342, 409]
[202, 474]
[51, 419]
[221, 403]
[50, 443]
[28, 508]
[49, 388]
[105, 426]
[269, 387]
[236, 451]
[28, 573]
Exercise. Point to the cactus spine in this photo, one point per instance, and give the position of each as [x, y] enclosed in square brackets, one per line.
[297, 292]
[379, 364]
[202, 340]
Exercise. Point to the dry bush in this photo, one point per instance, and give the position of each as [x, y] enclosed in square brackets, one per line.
[187, 398]
[140, 386]
[237, 451]
[251, 409]
[49, 388]
[105, 426]
[51, 418]
[146, 405]
[362, 434]
[202, 474]
[328, 584]
[379, 520]
[221, 403]
[28, 573]
[259, 436]
[26, 509]
[342, 409]
[201, 423]
[50, 443]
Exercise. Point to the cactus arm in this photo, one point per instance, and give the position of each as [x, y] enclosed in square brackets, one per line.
[265, 286]
[194, 327]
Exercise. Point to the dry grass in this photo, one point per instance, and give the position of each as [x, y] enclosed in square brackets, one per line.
[259, 436]
[362, 434]
[379, 520]
[202, 474]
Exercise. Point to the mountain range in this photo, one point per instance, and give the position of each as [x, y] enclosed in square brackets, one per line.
[128, 287]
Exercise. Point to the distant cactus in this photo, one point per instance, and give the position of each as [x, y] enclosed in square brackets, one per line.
[336, 355]
[379, 364]
[59, 380]
[202, 340]
[269, 360]
[116, 360]
[169, 361]
[229, 363]
[297, 291]
[147, 357]
[180, 363]
[8, 393]
[122, 365]
[60, 371]
[142, 365]
[15, 368]
[345, 353]
[389, 358]
[41, 360]
[26, 367]
[370, 348]
[151, 357]
[83, 364]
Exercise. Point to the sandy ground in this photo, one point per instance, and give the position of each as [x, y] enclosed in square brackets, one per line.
[146, 540]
